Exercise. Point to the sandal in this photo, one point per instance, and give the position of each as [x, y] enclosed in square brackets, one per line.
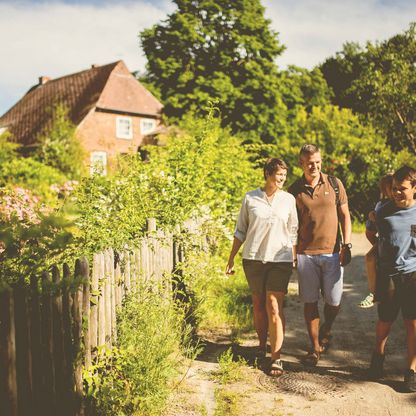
[324, 340]
[368, 302]
[276, 368]
[311, 358]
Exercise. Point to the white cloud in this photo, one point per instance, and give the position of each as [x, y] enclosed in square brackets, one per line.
[56, 39]
[313, 30]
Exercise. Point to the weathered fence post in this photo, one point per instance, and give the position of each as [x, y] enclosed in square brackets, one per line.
[81, 275]
[101, 300]
[108, 266]
[47, 346]
[36, 345]
[60, 364]
[86, 314]
[127, 272]
[23, 352]
[95, 295]
[8, 384]
[112, 280]
[67, 339]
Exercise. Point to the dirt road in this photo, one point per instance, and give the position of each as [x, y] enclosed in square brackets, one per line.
[337, 386]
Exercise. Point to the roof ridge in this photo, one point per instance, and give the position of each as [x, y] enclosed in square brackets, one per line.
[101, 67]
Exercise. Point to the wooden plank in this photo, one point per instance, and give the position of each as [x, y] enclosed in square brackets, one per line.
[23, 352]
[101, 301]
[81, 273]
[8, 383]
[137, 260]
[48, 369]
[67, 338]
[107, 297]
[144, 259]
[113, 297]
[60, 364]
[127, 273]
[134, 271]
[118, 281]
[94, 295]
[35, 344]
[86, 312]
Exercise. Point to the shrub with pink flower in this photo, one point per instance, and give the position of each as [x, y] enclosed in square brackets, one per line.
[19, 204]
[65, 189]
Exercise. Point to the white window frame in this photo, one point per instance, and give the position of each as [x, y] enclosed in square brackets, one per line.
[120, 132]
[102, 158]
[145, 120]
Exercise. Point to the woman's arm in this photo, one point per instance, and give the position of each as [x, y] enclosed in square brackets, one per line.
[239, 236]
[234, 250]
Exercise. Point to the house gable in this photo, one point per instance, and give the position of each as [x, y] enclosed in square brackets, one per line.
[109, 88]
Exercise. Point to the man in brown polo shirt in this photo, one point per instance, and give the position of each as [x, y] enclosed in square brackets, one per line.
[321, 202]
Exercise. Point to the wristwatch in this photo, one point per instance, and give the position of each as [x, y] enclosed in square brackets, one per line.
[348, 245]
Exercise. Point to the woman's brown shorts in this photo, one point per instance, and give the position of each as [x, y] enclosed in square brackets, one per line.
[269, 276]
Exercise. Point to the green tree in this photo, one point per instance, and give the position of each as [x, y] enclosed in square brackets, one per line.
[379, 82]
[59, 146]
[216, 49]
[305, 88]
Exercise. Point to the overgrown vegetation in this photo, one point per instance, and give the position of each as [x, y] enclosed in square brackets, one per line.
[137, 375]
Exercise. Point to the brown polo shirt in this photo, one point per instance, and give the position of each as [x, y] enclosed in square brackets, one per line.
[318, 218]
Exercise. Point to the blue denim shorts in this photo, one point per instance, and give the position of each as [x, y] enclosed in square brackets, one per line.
[320, 274]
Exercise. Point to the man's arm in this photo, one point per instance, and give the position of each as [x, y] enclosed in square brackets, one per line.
[345, 220]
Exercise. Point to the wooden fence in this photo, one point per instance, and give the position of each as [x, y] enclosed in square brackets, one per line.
[51, 329]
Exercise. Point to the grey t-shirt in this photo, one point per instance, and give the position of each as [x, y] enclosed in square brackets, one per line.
[397, 239]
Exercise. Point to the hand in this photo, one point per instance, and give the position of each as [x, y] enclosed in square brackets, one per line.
[345, 256]
[230, 267]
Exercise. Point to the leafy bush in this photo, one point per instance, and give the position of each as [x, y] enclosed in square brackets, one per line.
[59, 146]
[136, 376]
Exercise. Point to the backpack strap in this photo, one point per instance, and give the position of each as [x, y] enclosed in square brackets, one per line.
[334, 183]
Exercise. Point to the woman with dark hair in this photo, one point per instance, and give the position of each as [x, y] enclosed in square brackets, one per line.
[268, 225]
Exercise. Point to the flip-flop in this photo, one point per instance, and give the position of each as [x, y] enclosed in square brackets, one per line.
[276, 368]
[311, 358]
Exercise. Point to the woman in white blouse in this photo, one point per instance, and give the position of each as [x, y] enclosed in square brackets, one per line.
[267, 225]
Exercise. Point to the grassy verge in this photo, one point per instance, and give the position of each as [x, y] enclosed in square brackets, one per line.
[223, 301]
[136, 376]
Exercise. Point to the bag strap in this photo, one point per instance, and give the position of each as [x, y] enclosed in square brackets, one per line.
[334, 183]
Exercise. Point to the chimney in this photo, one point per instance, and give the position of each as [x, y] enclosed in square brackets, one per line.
[43, 80]
[94, 66]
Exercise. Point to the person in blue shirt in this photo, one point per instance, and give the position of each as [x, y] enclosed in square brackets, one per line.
[396, 271]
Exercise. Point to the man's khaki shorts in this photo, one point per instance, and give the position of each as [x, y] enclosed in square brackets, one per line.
[269, 276]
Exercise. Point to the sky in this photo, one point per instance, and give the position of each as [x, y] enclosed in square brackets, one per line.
[59, 37]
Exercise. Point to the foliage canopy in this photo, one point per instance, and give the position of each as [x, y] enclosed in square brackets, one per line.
[218, 50]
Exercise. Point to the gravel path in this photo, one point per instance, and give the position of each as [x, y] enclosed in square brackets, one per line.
[337, 386]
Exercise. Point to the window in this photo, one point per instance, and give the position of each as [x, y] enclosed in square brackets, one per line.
[124, 128]
[98, 163]
[147, 125]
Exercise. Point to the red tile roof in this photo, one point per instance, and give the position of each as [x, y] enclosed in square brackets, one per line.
[109, 87]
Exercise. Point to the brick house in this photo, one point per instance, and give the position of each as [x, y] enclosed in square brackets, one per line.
[113, 113]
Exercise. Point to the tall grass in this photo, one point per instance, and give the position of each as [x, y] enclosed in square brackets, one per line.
[221, 300]
[136, 377]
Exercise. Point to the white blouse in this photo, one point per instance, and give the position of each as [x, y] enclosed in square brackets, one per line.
[267, 229]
